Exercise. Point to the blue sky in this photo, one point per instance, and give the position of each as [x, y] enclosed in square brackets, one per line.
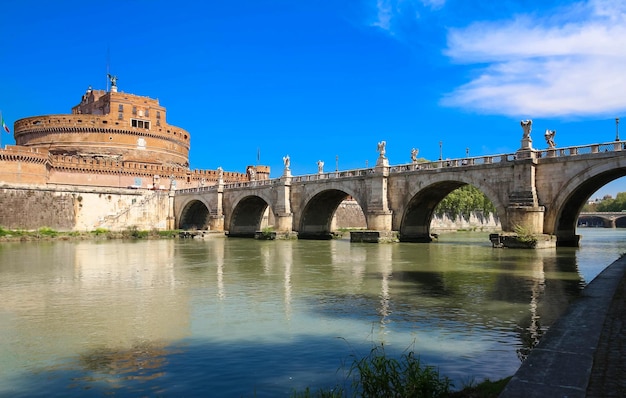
[328, 79]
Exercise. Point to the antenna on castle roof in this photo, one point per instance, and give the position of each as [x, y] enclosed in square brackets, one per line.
[108, 61]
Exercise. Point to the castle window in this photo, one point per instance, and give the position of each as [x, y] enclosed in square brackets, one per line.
[158, 114]
[158, 122]
[134, 110]
[142, 124]
[147, 112]
[120, 108]
[120, 116]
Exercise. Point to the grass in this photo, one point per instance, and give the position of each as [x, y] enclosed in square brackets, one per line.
[46, 233]
[378, 375]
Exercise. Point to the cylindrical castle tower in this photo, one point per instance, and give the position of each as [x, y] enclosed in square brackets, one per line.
[109, 125]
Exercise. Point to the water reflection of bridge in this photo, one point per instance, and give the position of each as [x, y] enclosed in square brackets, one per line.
[602, 219]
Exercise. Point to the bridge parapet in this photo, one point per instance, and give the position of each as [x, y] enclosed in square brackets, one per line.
[461, 162]
[402, 168]
[334, 174]
[615, 146]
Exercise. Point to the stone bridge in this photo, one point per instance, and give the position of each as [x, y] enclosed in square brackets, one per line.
[542, 191]
[602, 219]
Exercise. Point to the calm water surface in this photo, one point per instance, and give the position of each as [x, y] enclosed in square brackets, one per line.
[237, 317]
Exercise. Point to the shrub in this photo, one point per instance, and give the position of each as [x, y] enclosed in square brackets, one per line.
[381, 376]
[377, 375]
[46, 231]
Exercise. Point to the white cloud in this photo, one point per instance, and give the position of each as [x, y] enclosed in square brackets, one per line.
[568, 63]
[384, 15]
[388, 12]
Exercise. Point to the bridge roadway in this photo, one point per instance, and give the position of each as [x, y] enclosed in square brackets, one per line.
[541, 191]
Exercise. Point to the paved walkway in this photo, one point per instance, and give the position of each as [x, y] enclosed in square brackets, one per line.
[584, 353]
[608, 375]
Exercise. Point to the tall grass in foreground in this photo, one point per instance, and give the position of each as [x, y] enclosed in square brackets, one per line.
[377, 375]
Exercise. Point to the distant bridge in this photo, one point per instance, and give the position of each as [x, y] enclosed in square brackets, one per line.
[542, 191]
[602, 219]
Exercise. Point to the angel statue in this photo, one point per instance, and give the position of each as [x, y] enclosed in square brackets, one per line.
[320, 167]
[527, 126]
[381, 148]
[549, 135]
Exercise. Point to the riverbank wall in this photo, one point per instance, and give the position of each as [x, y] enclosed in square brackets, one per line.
[87, 208]
[350, 215]
[82, 208]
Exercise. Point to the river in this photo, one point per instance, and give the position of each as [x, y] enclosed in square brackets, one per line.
[240, 317]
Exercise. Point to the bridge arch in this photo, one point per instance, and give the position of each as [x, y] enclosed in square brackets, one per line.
[561, 215]
[247, 216]
[195, 214]
[315, 221]
[594, 221]
[417, 214]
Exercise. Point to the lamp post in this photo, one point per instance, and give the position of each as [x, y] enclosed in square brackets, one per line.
[440, 150]
[336, 163]
[616, 129]
[467, 152]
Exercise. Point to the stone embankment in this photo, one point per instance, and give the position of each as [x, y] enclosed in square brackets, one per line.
[80, 208]
[350, 215]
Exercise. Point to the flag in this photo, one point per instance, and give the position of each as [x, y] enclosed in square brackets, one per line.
[4, 126]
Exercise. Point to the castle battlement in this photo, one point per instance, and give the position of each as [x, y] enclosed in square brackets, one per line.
[111, 139]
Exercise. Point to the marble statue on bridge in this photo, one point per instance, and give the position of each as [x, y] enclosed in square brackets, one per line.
[527, 126]
[251, 173]
[320, 167]
[549, 135]
[287, 162]
[414, 153]
[381, 148]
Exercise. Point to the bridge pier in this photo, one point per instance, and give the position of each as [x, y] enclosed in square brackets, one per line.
[283, 222]
[216, 222]
[379, 220]
[568, 240]
[529, 218]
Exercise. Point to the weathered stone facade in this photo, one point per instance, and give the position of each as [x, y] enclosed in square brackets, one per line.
[111, 140]
[82, 208]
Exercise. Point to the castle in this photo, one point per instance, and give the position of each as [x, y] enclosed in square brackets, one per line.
[111, 139]
[112, 142]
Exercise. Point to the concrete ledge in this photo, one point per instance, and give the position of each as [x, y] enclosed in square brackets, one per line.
[561, 364]
[515, 241]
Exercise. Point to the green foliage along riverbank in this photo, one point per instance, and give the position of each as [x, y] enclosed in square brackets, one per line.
[45, 233]
[608, 203]
[378, 375]
[463, 201]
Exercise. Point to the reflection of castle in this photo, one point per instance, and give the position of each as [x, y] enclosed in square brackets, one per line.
[111, 139]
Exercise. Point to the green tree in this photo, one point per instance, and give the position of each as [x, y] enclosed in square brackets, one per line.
[463, 202]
